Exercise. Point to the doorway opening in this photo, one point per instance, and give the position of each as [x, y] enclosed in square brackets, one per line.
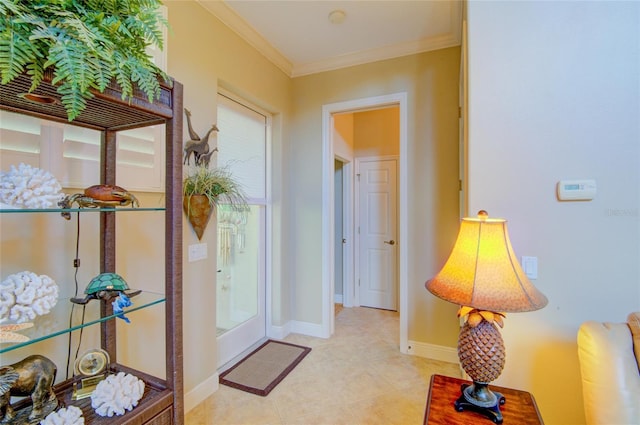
[333, 148]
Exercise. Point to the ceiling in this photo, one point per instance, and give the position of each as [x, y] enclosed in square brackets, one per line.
[298, 37]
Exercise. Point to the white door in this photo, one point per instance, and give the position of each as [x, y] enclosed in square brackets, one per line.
[377, 216]
[240, 302]
[242, 236]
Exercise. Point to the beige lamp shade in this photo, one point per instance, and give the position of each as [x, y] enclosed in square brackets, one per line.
[483, 272]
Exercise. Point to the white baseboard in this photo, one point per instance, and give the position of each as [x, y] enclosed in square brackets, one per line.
[201, 392]
[279, 332]
[337, 298]
[294, 326]
[430, 351]
[309, 329]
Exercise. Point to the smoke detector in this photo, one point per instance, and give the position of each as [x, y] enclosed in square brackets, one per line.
[337, 17]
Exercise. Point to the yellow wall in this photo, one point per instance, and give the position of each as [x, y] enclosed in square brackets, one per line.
[431, 83]
[204, 54]
[343, 136]
[377, 132]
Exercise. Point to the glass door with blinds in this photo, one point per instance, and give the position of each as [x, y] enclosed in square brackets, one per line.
[243, 142]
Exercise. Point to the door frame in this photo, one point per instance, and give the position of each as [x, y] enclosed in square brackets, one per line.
[328, 223]
[347, 229]
[356, 224]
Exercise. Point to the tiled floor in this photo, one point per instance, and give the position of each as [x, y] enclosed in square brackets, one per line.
[358, 376]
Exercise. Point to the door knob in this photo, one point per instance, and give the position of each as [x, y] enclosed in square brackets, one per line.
[391, 242]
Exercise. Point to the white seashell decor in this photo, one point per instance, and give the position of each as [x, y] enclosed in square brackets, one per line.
[29, 187]
[25, 295]
[66, 416]
[116, 394]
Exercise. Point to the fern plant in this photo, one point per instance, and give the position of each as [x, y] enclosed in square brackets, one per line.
[86, 43]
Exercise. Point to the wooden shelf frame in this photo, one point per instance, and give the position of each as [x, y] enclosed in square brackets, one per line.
[109, 113]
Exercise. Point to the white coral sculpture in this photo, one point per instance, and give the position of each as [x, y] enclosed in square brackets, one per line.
[25, 295]
[117, 393]
[29, 187]
[66, 416]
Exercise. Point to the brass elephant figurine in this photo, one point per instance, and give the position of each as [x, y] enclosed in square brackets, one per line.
[32, 376]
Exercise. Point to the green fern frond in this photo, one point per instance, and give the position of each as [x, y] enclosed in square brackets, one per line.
[36, 71]
[102, 73]
[7, 7]
[147, 26]
[87, 43]
[73, 99]
[82, 31]
[15, 54]
[146, 81]
[123, 78]
[69, 59]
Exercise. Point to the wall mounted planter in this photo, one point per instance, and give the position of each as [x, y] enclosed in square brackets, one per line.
[198, 210]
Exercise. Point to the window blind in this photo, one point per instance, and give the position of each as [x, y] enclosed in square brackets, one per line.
[242, 145]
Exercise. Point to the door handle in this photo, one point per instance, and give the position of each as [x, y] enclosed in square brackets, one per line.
[391, 242]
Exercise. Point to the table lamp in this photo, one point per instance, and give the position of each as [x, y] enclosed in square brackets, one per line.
[483, 276]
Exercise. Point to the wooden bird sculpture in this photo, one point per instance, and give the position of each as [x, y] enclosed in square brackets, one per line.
[196, 146]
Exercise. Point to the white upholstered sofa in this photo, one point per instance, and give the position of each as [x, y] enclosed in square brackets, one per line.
[610, 369]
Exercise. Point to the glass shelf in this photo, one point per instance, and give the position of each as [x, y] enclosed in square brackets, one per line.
[67, 317]
[70, 210]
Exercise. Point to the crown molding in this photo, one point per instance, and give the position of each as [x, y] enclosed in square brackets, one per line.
[375, 55]
[450, 39]
[238, 25]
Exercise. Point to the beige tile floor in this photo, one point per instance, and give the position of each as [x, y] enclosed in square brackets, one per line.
[358, 376]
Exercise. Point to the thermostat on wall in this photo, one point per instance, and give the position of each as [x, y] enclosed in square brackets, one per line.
[576, 190]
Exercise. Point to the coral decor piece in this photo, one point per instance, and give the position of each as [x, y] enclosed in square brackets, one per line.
[117, 394]
[25, 295]
[29, 187]
[66, 416]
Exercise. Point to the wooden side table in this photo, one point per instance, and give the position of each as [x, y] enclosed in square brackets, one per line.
[519, 409]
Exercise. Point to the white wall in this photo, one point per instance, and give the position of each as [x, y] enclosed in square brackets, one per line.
[554, 93]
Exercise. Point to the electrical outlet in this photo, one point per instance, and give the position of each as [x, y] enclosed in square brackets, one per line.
[197, 252]
[530, 267]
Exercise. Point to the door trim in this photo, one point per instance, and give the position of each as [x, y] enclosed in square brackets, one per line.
[347, 230]
[328, 222]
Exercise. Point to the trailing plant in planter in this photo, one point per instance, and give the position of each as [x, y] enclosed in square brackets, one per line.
[87, 44]
[204, 189]
[217, 184]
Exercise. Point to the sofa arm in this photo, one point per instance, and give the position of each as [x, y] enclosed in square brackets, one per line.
[610, 376]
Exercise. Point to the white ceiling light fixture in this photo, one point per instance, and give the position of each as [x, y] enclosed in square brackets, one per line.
[337, 17]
